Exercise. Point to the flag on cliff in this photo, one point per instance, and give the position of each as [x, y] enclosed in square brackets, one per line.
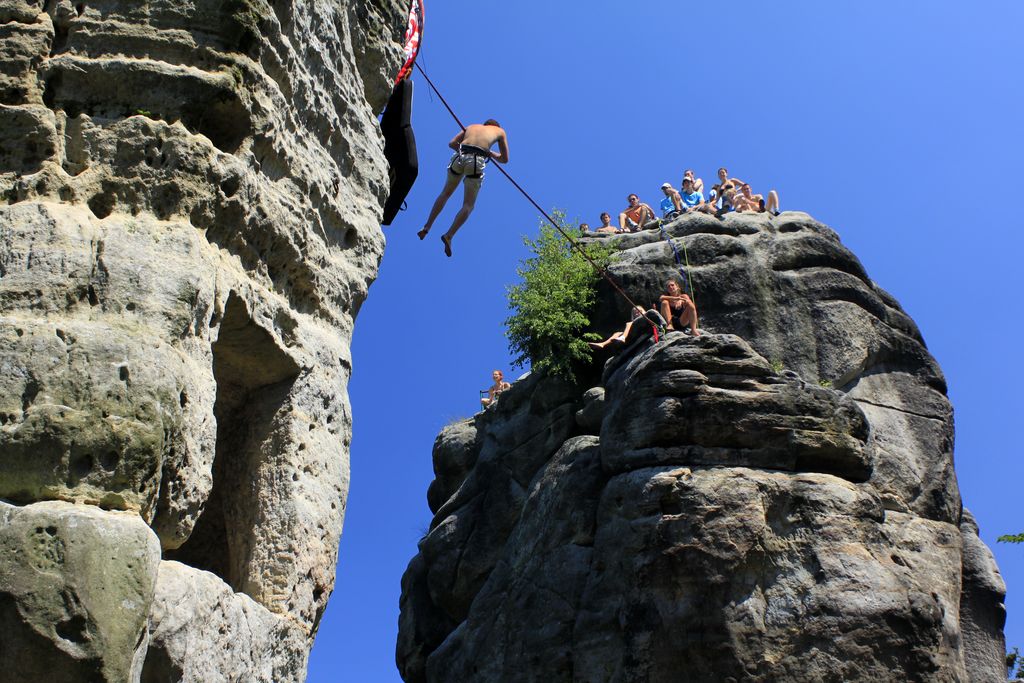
[413, 39]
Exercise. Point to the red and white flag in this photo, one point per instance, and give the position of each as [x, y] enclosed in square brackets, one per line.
[413, 38]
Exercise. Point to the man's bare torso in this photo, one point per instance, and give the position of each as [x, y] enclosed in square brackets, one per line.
[482, 136]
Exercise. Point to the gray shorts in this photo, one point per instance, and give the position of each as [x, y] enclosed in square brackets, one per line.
[469, 164]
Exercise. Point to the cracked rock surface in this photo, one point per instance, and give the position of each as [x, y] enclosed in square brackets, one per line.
[192, 193]
[772, 501]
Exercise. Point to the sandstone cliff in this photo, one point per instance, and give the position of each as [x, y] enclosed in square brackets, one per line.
[192, 192]
[774, 501]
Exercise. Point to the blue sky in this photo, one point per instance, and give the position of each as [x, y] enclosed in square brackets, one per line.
[897, 124]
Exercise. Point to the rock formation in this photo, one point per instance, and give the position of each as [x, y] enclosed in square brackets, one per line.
[774, 501]
[193, 193]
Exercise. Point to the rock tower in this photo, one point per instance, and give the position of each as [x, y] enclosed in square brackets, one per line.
[192, 193]
[774, 501]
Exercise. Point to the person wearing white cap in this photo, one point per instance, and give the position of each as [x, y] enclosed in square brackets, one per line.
[672, 204]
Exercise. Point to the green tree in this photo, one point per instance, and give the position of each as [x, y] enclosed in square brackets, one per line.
[552, 305]
[1013, 658]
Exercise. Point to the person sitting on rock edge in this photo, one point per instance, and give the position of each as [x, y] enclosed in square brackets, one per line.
[691, 199]
[472, 152]
[498, 387]
[677, 307]
[747, 201]
[636, 216]
[671, 205]
[606, 224]
[619, 336]
[698, 183]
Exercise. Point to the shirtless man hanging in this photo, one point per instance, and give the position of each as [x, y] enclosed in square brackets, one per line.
[472, 152]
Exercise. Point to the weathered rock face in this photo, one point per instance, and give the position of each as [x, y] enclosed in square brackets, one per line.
[774, 501]
[77, 586]
[193, 195]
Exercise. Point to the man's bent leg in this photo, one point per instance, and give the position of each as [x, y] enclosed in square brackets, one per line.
[450, 183]
[689, 315]
[666, 313]
[647, 218]
[622, 222]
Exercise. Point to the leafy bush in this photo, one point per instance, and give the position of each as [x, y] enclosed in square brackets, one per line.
[552, 305]
[1013, 658]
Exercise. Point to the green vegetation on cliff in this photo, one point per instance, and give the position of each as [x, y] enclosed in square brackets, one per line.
[552, 305]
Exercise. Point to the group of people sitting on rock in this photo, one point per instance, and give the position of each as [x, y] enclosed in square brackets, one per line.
[728, 194]
[675, 306]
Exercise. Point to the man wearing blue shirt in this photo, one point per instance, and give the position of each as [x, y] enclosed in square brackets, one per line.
[691, 198]
[671, 205]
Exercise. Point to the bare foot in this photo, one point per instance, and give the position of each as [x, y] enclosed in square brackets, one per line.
[696, 332]
[447, 245]
[423, 233]
[595, 345]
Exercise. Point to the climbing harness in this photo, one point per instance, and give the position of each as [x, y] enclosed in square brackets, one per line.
[601, 271]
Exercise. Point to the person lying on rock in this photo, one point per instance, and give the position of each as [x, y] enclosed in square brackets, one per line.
[636, 216]
[672, 204]
[746, 200]
[472, 152]
[606, 224]
[499, 386]
[678, 308]
[619, 336]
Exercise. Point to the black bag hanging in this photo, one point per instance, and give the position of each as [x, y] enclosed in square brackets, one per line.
[399, 147]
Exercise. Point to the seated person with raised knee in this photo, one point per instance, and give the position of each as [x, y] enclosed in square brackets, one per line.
[746, 200]
[678, 308]
[691, 198]
[672, 204]
[636, 216]
[499, 386]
